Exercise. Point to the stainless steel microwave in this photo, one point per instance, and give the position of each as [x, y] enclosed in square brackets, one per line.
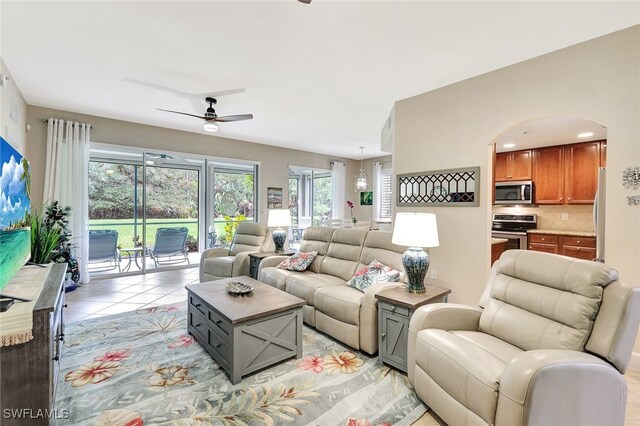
[515, 192]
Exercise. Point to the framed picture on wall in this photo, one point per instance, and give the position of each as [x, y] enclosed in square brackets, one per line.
[274, 198]
[366, 198]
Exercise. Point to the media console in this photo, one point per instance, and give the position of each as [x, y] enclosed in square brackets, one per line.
[29, 371]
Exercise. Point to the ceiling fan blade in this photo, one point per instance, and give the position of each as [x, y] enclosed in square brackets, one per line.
[183, 113]
[199, 96]
[305, 1]
[218, 93]
[239, 117]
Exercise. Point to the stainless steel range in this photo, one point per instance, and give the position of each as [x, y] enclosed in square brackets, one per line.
[513, 227]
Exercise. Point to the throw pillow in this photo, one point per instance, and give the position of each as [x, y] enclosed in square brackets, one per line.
[298, 262]
[373, 273]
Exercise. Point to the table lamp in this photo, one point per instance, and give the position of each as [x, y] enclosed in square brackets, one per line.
[279, 218]
[415, 230]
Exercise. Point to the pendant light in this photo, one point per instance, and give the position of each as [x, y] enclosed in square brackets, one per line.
[362, 180]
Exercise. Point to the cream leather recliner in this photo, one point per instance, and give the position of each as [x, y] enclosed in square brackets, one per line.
[548, 346]
[217, 263]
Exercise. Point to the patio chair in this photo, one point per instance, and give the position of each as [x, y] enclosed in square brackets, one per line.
[103, 247]
[170, 243]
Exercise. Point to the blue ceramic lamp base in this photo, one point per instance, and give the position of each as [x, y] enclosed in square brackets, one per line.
[279, 237]
[416, 264]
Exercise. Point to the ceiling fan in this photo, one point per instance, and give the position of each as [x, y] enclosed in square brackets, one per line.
[210, 117]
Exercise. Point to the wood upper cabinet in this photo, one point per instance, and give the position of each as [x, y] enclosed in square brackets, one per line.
[582, 162]
[548, 175]
[514, 165]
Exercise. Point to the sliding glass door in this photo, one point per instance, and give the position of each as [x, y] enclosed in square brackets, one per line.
[171, 210]
[115, 213]
[232, 197]
[149, 211]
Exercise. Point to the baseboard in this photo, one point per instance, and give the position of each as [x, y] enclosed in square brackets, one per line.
[634, 364]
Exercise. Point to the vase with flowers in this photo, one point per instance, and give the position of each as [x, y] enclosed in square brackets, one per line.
[354, 219]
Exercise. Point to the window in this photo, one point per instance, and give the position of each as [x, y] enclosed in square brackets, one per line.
[387, 194]
[310, 196]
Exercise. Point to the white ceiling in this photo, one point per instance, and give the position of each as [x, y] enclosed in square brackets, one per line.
[320, 77]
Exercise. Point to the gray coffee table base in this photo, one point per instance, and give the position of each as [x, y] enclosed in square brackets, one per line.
[243, 348]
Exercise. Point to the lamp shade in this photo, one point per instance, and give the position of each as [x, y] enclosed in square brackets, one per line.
[279, 217]
[415, 230]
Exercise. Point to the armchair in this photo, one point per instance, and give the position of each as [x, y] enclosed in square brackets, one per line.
[547, 346]
[217, 263]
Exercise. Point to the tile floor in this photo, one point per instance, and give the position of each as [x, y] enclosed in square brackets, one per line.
[115, 295]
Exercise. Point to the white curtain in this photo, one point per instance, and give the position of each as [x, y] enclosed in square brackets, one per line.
[66, 180]
[377, 190]
[338, 183]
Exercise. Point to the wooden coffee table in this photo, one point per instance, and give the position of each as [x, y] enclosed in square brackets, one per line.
[246, 333]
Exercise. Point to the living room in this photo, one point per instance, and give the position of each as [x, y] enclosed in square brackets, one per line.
[450, 120]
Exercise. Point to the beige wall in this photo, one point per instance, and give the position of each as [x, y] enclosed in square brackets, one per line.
[453, 127]
[274, 161]
[12, 131]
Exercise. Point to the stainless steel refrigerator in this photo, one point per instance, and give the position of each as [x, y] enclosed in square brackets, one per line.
[599, 208]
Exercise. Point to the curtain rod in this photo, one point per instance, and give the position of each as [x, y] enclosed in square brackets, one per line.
[46, 121]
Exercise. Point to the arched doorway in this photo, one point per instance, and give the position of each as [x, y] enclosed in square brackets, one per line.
[546, 174]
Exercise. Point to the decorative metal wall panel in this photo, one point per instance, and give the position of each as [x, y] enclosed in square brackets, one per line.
[455, 187]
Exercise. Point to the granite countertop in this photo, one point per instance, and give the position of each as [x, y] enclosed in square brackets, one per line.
[557, 232]
[498, 241]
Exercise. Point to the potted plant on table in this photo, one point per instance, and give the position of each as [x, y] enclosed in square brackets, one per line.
[51, 240]
[354, 219]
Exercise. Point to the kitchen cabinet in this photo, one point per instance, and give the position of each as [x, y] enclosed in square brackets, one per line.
[567, 245]
[515, 165]
[544, 242]
[548, 175]
[580, 247]
[496, 251]
[563, 174]
[582, 162]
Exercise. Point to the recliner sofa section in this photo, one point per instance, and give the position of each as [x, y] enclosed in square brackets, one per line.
[343, 312]
[218, 263]
[547, 345]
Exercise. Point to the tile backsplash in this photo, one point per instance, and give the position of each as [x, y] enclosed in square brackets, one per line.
[580, 218]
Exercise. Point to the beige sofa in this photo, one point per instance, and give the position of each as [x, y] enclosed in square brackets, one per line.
[548, 346]
[334, 308]
[217, 263]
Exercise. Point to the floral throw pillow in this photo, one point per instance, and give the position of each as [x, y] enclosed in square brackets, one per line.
[373, 273]
[299, 261]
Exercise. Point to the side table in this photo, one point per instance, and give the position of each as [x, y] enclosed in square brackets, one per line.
[136, 252]
[395, 308]
[256, 258]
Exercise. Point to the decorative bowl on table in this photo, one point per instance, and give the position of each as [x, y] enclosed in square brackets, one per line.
[237, 288]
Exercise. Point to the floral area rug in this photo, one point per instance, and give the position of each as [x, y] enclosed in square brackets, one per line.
[142, 368]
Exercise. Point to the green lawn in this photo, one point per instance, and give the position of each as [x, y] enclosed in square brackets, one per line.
[125, 228]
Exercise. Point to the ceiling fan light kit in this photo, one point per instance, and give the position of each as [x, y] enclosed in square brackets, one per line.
[362, 180]
[210, 126]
